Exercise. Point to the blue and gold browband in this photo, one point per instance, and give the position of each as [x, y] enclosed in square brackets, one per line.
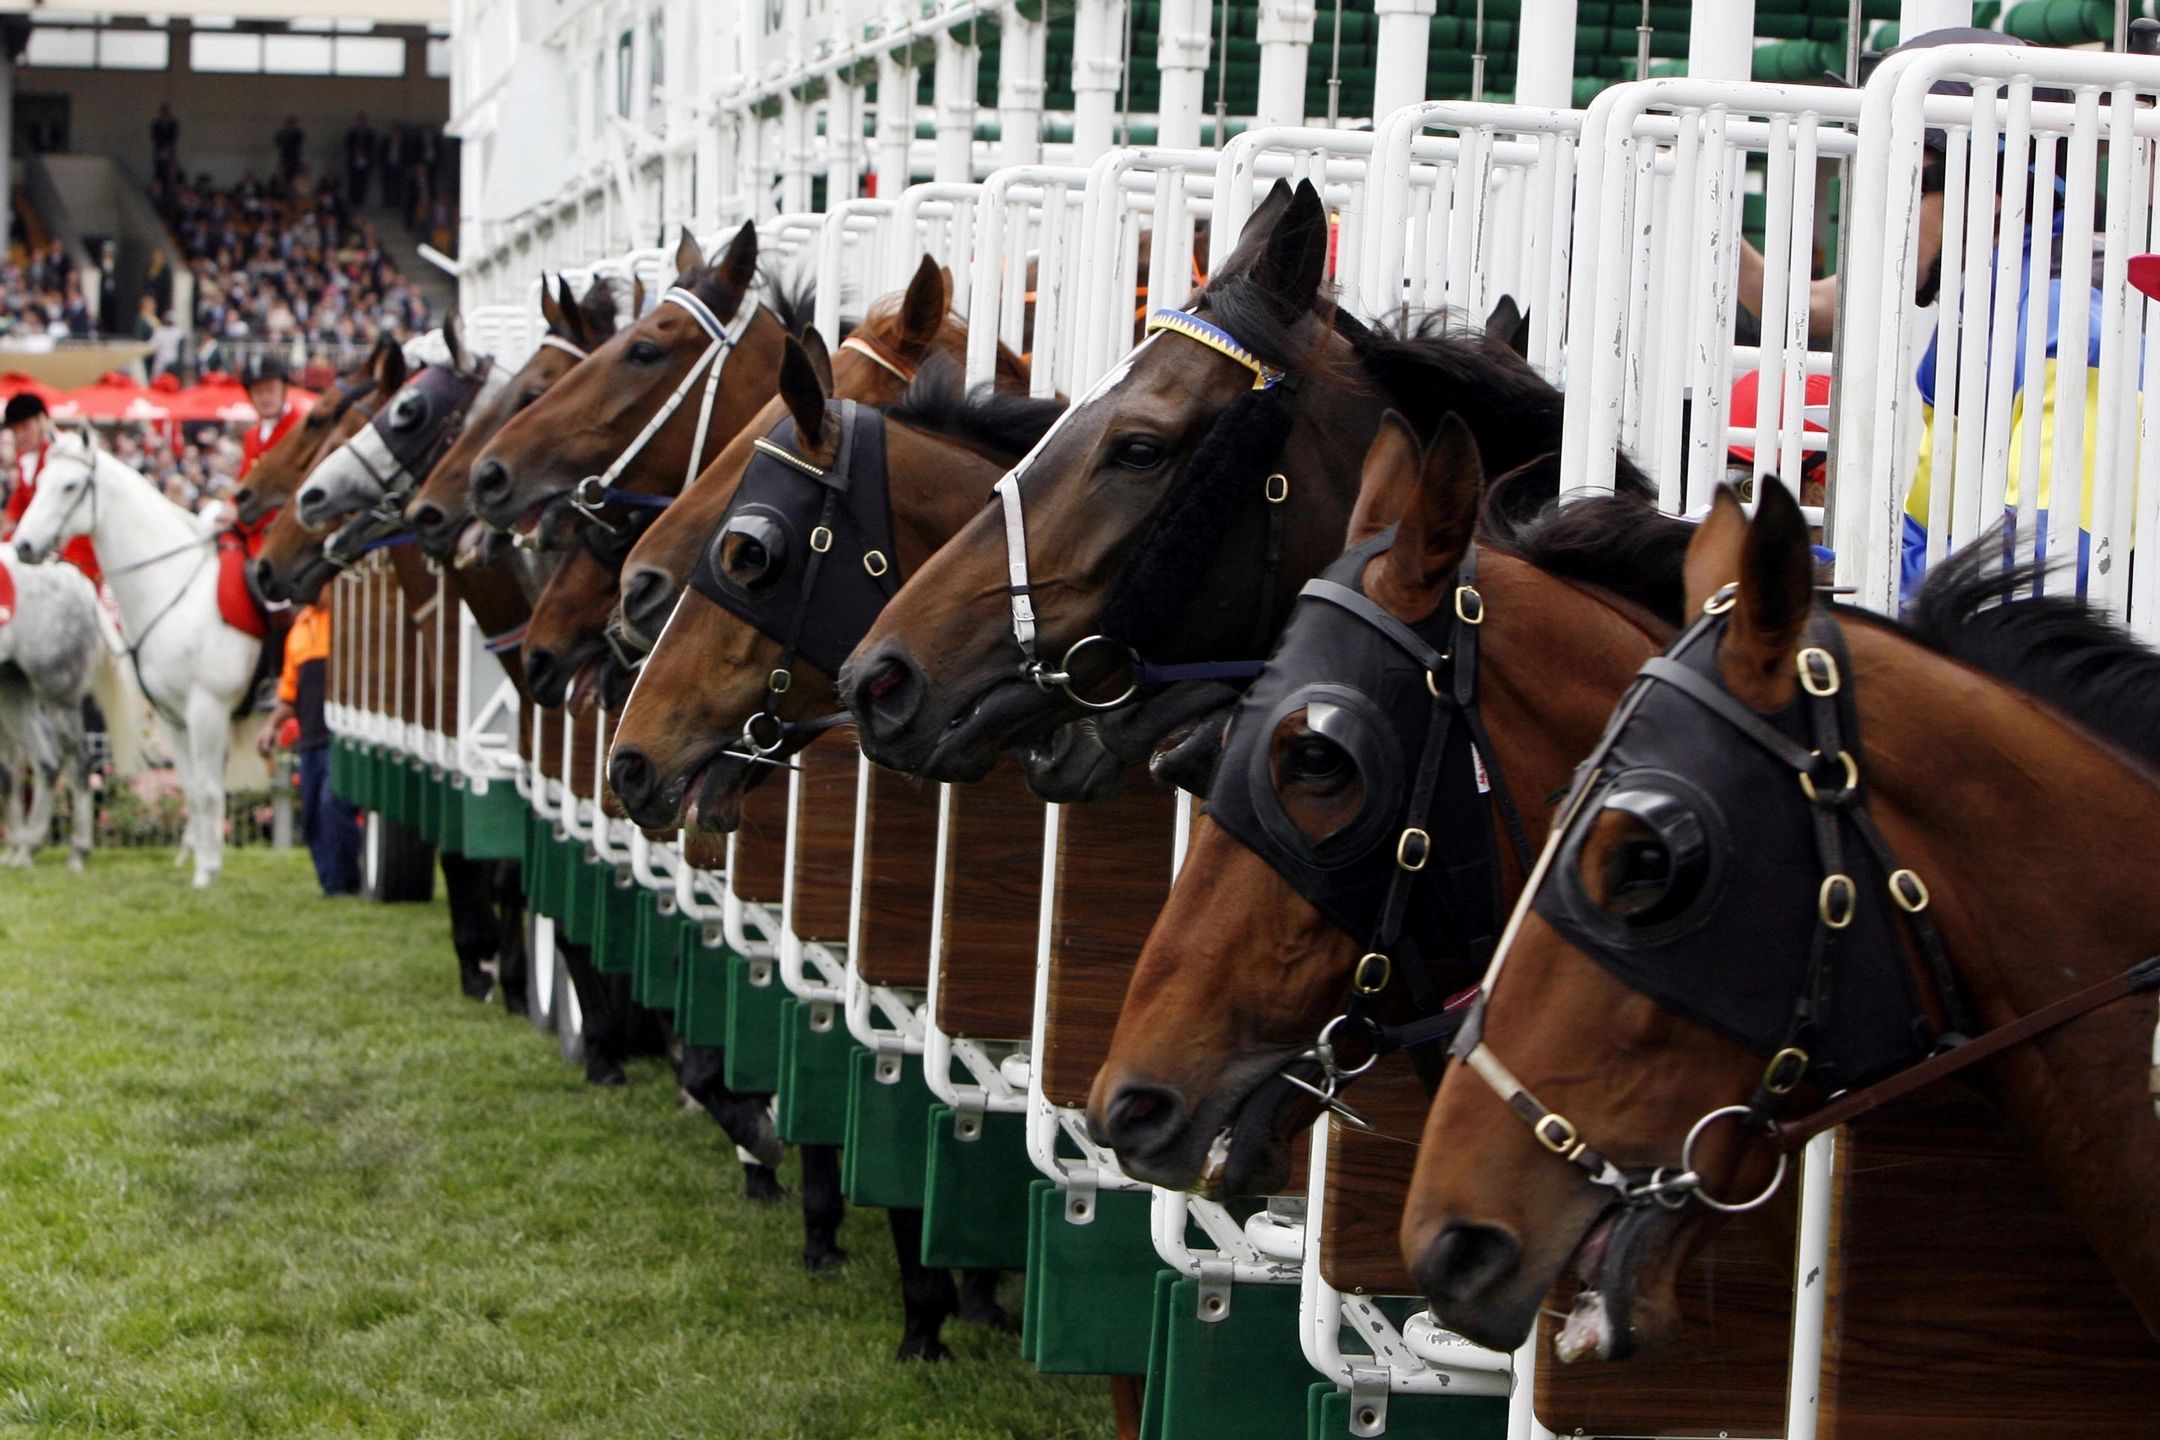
[1192, 327]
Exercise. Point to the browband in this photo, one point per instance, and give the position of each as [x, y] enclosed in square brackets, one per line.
[863, 347]
[1192, 327]
[556, 342]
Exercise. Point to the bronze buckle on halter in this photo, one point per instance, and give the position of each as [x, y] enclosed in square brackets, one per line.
[1818, 672]
[1785, 1071]
[1372, 974]
[1469, 605]
[1909, 891]
[1557, 1133]
[1278, 488]
[875, 562]
[1722, 599]
[779, 681]
[1837, 901]
[1412, 849]
[1852, 777]
[821, 539]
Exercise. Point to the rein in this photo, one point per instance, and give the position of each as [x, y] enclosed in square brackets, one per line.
[1827, 775]
[596, 491]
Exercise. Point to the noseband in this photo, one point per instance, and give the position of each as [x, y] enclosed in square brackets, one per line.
[826, 534]
[1840, 1013]
[596, 491]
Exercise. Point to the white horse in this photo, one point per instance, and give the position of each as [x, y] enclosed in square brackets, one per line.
[162, 566]
[55, 649]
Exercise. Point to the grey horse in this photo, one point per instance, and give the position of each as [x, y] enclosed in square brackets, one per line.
[54, 650]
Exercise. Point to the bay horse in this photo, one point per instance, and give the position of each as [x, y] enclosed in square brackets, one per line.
[1806, 786]
[349, 402]
[1267, 924]
[441, 509]
[162, 569]
[680, 754]
[53, 655]
[645, 409]
[1172, 513]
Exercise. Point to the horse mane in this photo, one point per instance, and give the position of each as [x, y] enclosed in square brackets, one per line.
[1618, 543]
[1000, 422]
[795, 305]
[597, 306]
[2056, 648]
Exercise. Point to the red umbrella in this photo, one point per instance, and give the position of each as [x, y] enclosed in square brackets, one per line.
[115, 397]
[14, 383]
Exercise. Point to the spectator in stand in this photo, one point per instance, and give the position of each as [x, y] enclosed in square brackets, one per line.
[361, 146]
[291, 145]
[297, 722]
[29, 425]
[75, 312]
[164, 143]
[158, 281]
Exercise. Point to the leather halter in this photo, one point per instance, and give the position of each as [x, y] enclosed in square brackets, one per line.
[596, 491]
[411, 464]
[1836, 1034]
[861, 346]
[1276, 489]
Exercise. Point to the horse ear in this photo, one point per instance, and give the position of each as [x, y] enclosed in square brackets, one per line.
[1440, 517]
[820, 358]
[1777, 594]
[688, 256]
[637, 301]
[551, 308]
[737, 270]
[389, 367]
[454, 336]
[1391, 472]
[927, 302]
[803, 392]
[1295, 257]
[1509, 324]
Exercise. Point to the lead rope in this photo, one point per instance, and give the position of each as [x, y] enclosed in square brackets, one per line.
[595, 491]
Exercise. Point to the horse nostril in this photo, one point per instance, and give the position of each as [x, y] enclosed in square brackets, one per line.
[426, 518]
[631, 775]
[889, 695]
[491, 482]
[1142, 1120]
[544, 676]
[1466, 1262]
[645, 594]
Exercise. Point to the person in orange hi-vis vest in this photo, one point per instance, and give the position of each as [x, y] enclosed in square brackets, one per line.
[297, 723]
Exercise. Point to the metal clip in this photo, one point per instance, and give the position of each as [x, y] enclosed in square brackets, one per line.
[1836, 901]
[712, 935]
[1368, 1400]
[1215, 1281]
[761, 974]
[1909, 891]
[1412, 849]
[1785, 1070]
[1372, 974]
[891, 1059]
[1818, 672]
[625, 878]
[875, 562]
[968, 1111]
[1278, 488]
[821, 539]
[821, 1016]
[1722, 599]
[1469, 605]
[1080, 1196]
[779, 681]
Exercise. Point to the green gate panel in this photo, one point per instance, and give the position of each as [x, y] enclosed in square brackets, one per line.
[1090, 1288]
[753, 1025]
[660, 941]
[491, 820]
[701, 989]
[427, 802]
[814, 1051]
[615, 905]
[341, 770]
[576, 887]
[975, 1195]
[1158, 1357]
[886, 1159]
[1243, 1375]
[450, 813]
[1411, 1417]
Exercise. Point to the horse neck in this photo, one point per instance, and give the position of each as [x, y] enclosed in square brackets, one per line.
[493, 595]
[413, 575]
[2033, 839]
[936, 486]
[133, 523]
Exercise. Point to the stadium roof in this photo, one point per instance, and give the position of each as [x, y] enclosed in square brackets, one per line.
[381, 12]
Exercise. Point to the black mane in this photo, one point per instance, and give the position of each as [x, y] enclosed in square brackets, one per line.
[2054, 647]
[794, 306]
[1002, 423]
[1620, 543]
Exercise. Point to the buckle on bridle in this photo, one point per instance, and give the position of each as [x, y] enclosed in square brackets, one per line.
[875, 562]
[1469, 605]
[1785, 1071]
[1372, 974]
[1851, 785]
[1818, 672]
[1412, 849]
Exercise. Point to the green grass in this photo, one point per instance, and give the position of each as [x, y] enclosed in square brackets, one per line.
[263, 1172]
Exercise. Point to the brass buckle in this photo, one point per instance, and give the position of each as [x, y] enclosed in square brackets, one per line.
[875, 562]
[1909, 891]
[1785, 1071]
[1837, 901]
[1818, 672]
[1403, 858]
[1369, 966]
[1278, 488]
[1556, 1133]
[1722, 599]
[1852, 775]
[1469, 605]
[821, 539]
[779, 680]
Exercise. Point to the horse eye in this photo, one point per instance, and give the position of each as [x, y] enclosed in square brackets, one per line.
[753, 553]
[644, 352]
[1140, 452]
[530, 396]
[1658, 864]
[1315, 760]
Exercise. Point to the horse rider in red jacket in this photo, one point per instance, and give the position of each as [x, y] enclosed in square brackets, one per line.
[29, 423]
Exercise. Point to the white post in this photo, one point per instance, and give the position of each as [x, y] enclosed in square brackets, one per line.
[796, 155]
[955, 94]
[1545, 57]
[1721, 40]
[1286, 28]
[895, 121]
[1405, 36]
[1811, 1286]
[1181, 51]
[1918, 17]
[843, 139]
[1023, 65]
[1098, 67]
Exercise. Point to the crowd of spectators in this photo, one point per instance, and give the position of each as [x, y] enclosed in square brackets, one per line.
[41, 294]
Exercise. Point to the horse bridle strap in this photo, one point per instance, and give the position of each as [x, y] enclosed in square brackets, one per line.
[556, 342]
[595, 491]
[878, 358]
[1221, 341]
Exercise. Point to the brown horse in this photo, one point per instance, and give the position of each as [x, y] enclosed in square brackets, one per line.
[1174, 512]
[875, 364]
[1991, 744]
[1243, 969]
[441, 508]
[339, 411]
[627, 417]
[679, 753]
